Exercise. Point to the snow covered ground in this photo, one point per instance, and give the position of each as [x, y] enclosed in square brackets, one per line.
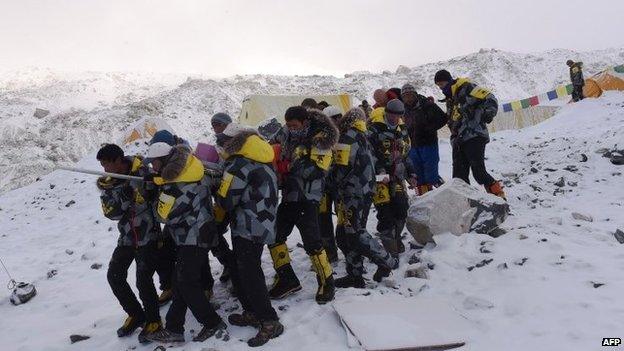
[90, 108]
[537, 287]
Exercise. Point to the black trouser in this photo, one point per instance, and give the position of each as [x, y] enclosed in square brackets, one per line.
[391, 215]
[166, 261]
[577, 93]
[248, 279]
[188, 290]
[118, 272]
[470, 155]
[222, 251]
[304, 215]
[326, 225]
[146, 265]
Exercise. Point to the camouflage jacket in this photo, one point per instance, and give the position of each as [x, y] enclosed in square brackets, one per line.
[470, 108]
[128, 203]
[184, 202]
[310, 159]
[576, 74]
[390, 148]
[353, 171]
[248, 191]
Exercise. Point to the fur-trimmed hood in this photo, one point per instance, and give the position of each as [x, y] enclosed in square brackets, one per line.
[323, 131]
[354, 118]
[181, 166]
[249, 144]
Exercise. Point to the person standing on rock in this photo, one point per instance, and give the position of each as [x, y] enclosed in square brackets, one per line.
[390, 141]
[249, 195]
[423, 118]
[128, 202]
[576, 76]
[185, 208]
[353, 179]
[305, 158]
[469, 109]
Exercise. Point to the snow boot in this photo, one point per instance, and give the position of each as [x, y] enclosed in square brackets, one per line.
[165, 297]
[268, 330]
[323, 269]
[382, 272]
[165, 336]
[149, 328]
[496, 189]
[350, 281]
[390, 243]
[245, 319]
[285, 282]
[131, 324]
[219, 332]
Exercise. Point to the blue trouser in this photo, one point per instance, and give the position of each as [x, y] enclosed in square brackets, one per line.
[425, 160]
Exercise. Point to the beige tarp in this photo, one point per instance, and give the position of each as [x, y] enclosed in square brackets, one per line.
[258, 108]
[144, 129]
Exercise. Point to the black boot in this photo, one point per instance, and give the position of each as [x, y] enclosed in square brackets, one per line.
[219, 332]
[350, 281]
[131, 324]
[165, 297]
[165, 336]
[225, 275]
[326, 289]
[286, 281]
[268, 330]
[382, 272]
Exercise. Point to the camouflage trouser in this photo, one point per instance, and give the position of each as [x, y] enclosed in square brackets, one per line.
[353, 238]
[391, 203]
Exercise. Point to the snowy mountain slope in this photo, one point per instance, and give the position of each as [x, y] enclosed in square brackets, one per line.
[540, 291]
[93, 108]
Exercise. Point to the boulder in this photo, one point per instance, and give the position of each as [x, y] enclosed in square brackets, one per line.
[40, 113]
[455, 207]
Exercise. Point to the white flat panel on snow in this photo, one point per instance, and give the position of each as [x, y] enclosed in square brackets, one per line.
[395, 323]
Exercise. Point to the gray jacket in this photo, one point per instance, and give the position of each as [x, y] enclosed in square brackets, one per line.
[470, 108]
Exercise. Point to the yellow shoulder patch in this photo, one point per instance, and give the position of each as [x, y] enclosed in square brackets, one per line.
[480, 93]
[226, 182]
[341, 154]
[322, 158]
[165, 204]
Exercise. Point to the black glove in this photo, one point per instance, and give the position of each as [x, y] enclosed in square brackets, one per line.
[149, 177]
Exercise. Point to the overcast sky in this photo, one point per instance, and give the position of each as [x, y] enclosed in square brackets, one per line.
[226, 37]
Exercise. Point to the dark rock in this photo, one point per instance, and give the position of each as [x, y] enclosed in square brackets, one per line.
[521, 261]
[571, 168]
[40, 113]
[52, 273]
[484, 250]
[619, 236]
[69, 252]
[70, 203]
[430, 266]
[414, 259]
[597, 285]
[96, 266]
[534, 170]
[484, 263]
[550, 169]
[52, 186]
[561, 182]
[74, 338]
[419, 272]
[582, 217]
[584, 158]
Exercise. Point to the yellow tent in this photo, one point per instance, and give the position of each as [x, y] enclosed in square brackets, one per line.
[610, 79]
[258, 108]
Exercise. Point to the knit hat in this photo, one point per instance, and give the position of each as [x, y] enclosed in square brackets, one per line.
[163, 136]
[407, 89]
[442, 76]
[222, 118]
[395, 107]
[569, 62]
[331, 111]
